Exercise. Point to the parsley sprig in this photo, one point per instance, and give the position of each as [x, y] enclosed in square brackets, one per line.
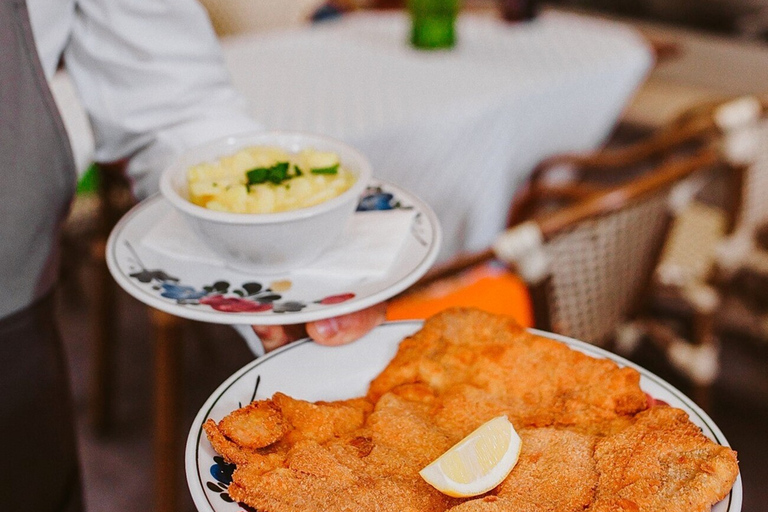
[281, 172]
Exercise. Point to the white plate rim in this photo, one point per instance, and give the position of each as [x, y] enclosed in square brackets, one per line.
[196, 434]
[270, 318]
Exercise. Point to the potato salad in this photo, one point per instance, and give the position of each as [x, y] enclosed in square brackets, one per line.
[262, 179]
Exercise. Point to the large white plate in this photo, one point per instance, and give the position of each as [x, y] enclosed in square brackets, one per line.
[309, 371]
[177, 286]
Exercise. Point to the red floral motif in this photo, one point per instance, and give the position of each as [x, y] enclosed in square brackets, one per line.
[234, 304]
[336, 299]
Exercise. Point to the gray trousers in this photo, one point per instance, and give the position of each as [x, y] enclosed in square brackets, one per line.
[40, 470]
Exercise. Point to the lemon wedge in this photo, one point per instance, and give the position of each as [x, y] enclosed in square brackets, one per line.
[477, 463]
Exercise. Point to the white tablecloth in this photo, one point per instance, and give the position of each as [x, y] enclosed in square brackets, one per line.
[459, 128]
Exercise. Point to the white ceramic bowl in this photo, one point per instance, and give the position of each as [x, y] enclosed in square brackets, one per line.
[268, 243]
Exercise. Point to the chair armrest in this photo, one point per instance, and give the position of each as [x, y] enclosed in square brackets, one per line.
[572, 191]
[700, 129]
[524, 206]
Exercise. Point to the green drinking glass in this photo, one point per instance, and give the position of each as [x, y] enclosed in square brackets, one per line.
[433, 23]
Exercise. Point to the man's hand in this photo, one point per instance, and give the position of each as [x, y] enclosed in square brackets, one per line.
[332, 331]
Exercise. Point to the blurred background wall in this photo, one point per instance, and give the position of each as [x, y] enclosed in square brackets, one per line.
[746, 19]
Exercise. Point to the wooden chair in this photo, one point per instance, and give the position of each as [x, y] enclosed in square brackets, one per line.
[708, 257]
[736, 125]
[747, 150]
[680, 284]
[565, 178]
[588, 265]
[741, 257]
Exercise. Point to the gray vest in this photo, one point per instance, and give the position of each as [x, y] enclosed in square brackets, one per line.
[37, 176]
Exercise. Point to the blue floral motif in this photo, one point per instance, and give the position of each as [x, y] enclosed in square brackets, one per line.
[376, 199]
[222, 472]
[375, 202]
[182, 294]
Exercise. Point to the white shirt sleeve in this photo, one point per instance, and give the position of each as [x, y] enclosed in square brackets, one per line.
[151, 76]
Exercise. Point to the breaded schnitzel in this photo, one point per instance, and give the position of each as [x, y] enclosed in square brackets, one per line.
[590, 440]
[474, 356]
[661, 462]
[342, 469]
[555, 471]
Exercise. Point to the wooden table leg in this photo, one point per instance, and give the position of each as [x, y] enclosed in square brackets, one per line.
[102, 385]
[168, 365]
[114, 200]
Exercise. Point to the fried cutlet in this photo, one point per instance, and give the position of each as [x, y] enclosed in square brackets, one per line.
[342, 469]
[555, 471]
[662, 462]
[591, 442]
[535, 380]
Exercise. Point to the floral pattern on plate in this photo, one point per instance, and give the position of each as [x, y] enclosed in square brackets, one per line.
[206, 292]
[221, 471]
[377, 198]
[249, 297]
[253, 297]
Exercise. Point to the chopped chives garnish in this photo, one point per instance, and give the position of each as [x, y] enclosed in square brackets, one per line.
[278, 173]
[275, 174]
[257, 175]
[326, 170]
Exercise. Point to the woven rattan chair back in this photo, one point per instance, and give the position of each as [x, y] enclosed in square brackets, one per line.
[589, 265]
[600, 268]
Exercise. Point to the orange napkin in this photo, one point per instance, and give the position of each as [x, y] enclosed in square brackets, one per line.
[488, 286]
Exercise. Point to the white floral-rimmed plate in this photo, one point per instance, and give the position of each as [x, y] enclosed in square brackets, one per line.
[312, 372]
[222, 295]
